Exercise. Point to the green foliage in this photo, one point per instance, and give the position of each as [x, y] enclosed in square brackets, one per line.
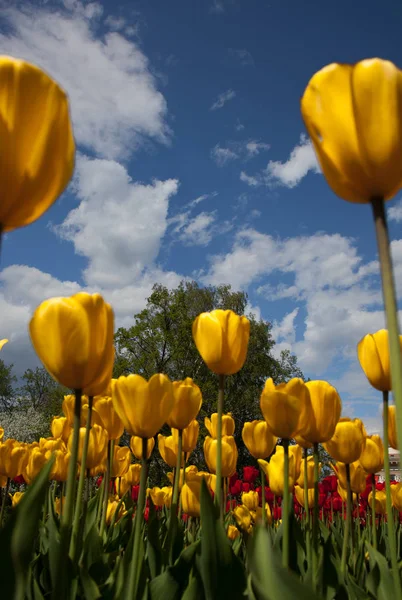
[7, 381]
[41, 392]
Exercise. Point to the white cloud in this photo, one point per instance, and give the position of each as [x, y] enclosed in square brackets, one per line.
[115, 104]
[201, 198]
[253, 148]
[199, 230]
[217, 7]
[243, 56]
[239, 126]
[284, 331]
[301, 161]
[395, 212]
[223, 155]
[223, 99]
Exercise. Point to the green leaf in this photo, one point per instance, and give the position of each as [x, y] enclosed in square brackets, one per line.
[171, 584]
[154, 552]
[379, 580]
[91, 590]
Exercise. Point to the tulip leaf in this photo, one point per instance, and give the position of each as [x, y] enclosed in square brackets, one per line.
[91, 590]
[270, 580]
[379, 580]
[154, 547]
[171, 584]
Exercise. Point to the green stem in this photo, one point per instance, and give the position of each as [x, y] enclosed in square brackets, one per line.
[307, 509]
[218, 490]
[183, 481]
[60, 589]
[315, 519]
[264, 517]
[285, 508]
[373, 519]
[390, 304]
[348, 520]
[134, 574]
[3, 504]
[177, 473]
[80, 490]
[110, 450]
[390, 521]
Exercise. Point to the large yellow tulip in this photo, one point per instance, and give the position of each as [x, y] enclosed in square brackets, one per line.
[358, 476]
[380, 506]
[228, 425]
[286, 407]
[372, 457]
[36, 140]
[396, 495]
[13, 458]
[353, 115]
[259, 439]
[187, 403]
[274, 470]
[110, 419]
[136, 446]
[189, 437]
[373, 353]
[348, 441]
[168, 449]
[221, 338]
[121, 461]
[143, 406]
[97, 446]
[326, 409]
[229, 454]
[73, 337]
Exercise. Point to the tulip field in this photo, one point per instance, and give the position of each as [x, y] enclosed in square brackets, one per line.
[79, 517]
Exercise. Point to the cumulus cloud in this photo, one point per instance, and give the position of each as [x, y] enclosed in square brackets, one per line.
[223, 99]
[395, 212]
[223, 155]
[115, 104]
[234, 150]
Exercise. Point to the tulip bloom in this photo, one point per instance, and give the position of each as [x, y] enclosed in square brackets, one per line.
[37, 142]
[259, 439]
[309, 463]
[111, 513]
[121, 461]
[221, 338]
[396, 495]
[233, 532]
[16, 498]
[372, 457]
[110, 419]
[228, 425]
[380, 505]
[299, 493]
[357, 476]
[97, 446]
[353, 116]
[348, 441]
[3, 342]
[250, 499]
[286, 407]
[190, 494]
[189, 437]
[392, 433]
[73, 337]
[13, 458]
[192, 469]
[326, 409]
[161, 496]
[168, 449]
[242, 517]
[136, 446]
[373, 353]
[60, 428]
[143, 406]
[187, 403]
[229, 454]
[274, 470]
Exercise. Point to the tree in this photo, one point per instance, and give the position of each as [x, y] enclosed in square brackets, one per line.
[41, 392]
[160, 341]
[7, 381]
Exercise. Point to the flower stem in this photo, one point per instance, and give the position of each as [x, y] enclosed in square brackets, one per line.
[264, 517]
[218, 490]
[110, 449]
[348, 520]
[135, 567]
[390, 520]
[315, 519]
[285, 509]
[177, 473]
[81, 481]
[307, 509]
[3, 504]
[373, 519]
[390, 304]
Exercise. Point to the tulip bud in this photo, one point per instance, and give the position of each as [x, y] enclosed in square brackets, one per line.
[121, 461]
[357, 476]
[243, 517]
[13, 458]
[136, 446]
[111, 511]
[250, 499]
[233, 532]
[60, 428]
[373, 353]
[36, 462]
[286, 407]
[221, 338]
[274, 470]
[307, 463]
[16, 498]
[258, 438]
[229, 454]
[348, 441]
[299, 493]
[189, 437]
[190, 494]
[352, 114]
[380, 504]
[97, 446]
[168, 450]
[190, 469]
[228, 425]
[143, 406]
[73, 337]
[110, 419]
[187, 403]
[326, 409]
[37, 132]
[396, 495]
[372, 457]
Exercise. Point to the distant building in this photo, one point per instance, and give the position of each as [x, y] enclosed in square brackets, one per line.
[394, 466]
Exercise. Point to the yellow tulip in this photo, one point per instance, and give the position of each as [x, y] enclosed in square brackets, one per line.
[296, 452]
[310, 472]
[73, 337]
[299, 493]
[121, 461]
[58, 504]
[168, 449]
[242, 517]
[274, 470]
[233, 532]
[133, 474]
[299, 439]
[353, 115]
[143, 406]
[59, 470]
[51, 444]
[97, 446]
[258, 438]
[348, 441]
[189, 438]
[95, 417]
[392, 433]
[36, 461]
[1, 434]
[136, 446]
[111, 511]
[229, 454]
[36, 131]
[190, 469]
[344, 494]
[61, 428]
[190, 494]
[358, 476]
[380, 504]
[13, 458]
[326, 409]
[256, 515]
[68, 405]
[285, 407]
[228, 425]
[221, 338]
[396, 495]
[372, 457]
[16, 498]
[250, 499]
[3, 343]
[187, 403]
[110, 419]
[373, 353]
[161, 496]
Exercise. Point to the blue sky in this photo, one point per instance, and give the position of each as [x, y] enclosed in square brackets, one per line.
[193, 162]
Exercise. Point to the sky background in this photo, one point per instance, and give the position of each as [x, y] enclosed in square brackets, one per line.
[193, 162]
